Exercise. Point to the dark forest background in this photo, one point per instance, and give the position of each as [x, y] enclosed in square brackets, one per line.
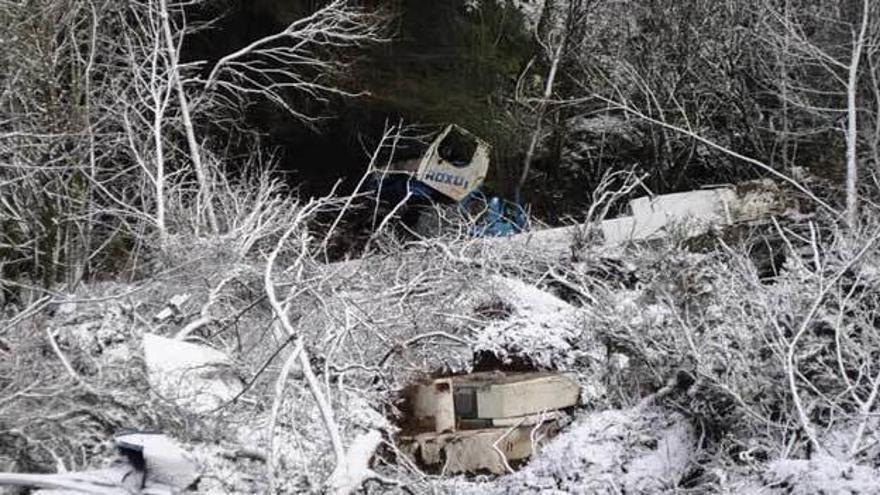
[441, 64]
[695, 63]
[111, 135]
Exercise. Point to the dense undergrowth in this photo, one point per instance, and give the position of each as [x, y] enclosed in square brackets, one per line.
[762, 366]
[127, 209]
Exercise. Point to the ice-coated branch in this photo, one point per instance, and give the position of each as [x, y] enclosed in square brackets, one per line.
[297, 58]
[281, 314]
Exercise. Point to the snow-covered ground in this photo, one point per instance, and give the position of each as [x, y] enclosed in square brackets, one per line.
[679, 352]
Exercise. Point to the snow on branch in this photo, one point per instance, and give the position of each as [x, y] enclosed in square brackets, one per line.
[297, 59]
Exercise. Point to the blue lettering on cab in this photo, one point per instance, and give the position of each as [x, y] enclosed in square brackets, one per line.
[445, 178]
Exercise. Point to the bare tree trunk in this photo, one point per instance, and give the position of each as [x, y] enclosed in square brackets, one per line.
[874, 69]
[81, 264]
[159, 183]
[539, 125]
[852, 193]
[195, 154]
[783, 79]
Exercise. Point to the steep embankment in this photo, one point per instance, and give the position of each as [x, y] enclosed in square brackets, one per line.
[696, 370]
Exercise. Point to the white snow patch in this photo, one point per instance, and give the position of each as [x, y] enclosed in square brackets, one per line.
[348, 476]
[825, 475]
[638, 313]
[531, 9]
[527, 298]
[552, 244]
[540, 326]
[166, 463]
[614, 451]
[194, 376]
[838, 441]
[664, 465]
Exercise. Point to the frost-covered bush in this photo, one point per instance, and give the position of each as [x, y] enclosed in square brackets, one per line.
[765, 366]
[536, 327]
[613, 451]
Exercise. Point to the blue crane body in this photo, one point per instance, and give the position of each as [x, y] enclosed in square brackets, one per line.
[450, 170]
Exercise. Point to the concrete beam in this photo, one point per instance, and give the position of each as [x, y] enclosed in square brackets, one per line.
[521, 395]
